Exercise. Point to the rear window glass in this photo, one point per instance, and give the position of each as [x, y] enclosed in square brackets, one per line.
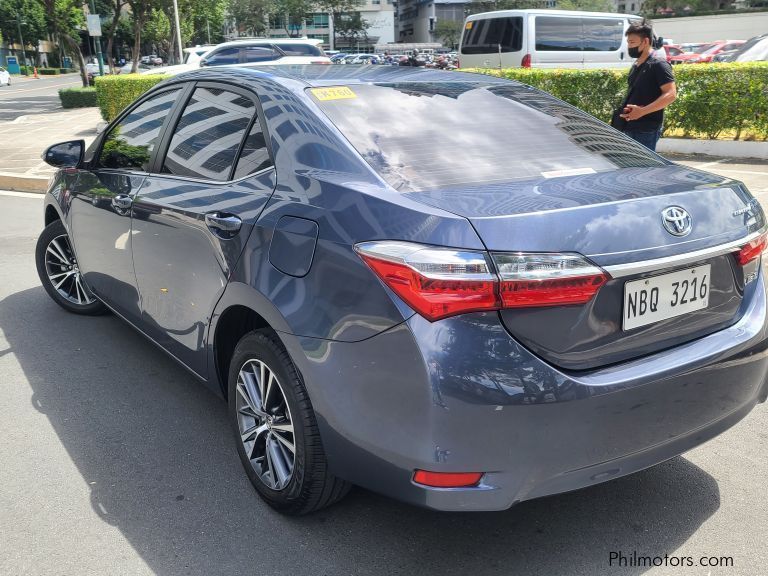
[422, 136]
[493, 34]
[291, 49]
[558, 34]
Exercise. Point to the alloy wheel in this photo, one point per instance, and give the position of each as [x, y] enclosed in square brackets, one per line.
[64, 274]
[265, 425]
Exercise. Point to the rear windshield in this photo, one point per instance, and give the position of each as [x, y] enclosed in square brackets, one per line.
[492, 35]
[300, 49]
[422, 136]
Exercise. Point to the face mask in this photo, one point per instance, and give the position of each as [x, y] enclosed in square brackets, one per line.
[634, 52]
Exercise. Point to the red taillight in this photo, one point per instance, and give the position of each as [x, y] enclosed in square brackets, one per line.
[435, 282]
[530, 279]
[447, 479]
[441, 282]
[526, 62]
[320, 62]
[752, 250]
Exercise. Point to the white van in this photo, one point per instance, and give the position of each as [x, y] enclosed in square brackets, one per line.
[545, 39]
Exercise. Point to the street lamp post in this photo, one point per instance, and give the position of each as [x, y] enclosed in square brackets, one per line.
[97, 41]
[21, 38]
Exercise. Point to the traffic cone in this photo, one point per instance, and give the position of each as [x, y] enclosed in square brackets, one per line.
[36, 76]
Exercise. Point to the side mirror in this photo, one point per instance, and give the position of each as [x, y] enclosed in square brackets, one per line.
[66, 154]
[203, 62]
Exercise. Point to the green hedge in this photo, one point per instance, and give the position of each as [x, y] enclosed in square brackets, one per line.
[114, 93]
[77, 97]
[48, 71]
[714, 100]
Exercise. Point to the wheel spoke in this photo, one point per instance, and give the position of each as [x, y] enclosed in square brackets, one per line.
[278, 462]
[252, 389]
[262, 369]
[253, 433]
[284, 441]
[57, 286]
[78, 289]
[270, 467]
[57, 251]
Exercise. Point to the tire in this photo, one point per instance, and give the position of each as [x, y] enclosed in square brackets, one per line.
[263, 440]
[58, 271]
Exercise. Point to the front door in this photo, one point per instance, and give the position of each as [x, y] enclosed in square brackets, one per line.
[102, 199]
[194, 214]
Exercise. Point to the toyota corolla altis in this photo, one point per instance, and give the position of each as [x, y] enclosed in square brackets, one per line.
[449, 288]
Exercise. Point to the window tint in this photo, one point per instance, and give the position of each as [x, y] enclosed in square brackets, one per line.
[255, 155]
[130, 143]
[300, 49]
[208, 134]
[225, 56]
[561, 34]
[602, 34]
[260, 54]
[485, 36]
[461, 134]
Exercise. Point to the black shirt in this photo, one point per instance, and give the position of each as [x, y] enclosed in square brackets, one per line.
[651, 76]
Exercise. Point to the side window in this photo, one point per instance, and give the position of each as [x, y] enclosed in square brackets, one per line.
[602, 34]
[260, 54]
[208, 134]
[558, 34]
[225, 56]
[300, 49]
[130, 143]
[255, 154]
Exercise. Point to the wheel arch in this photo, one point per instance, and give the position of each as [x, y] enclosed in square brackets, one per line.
[51, 214]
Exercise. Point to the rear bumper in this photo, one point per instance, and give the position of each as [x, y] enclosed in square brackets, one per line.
[462, 395]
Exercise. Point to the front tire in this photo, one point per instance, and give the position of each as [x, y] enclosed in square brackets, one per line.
[278, 440]
[60, 274]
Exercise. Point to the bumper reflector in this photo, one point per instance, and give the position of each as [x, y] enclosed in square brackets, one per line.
[447, 479]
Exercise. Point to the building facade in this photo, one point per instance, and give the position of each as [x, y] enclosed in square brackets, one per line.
[416, 19]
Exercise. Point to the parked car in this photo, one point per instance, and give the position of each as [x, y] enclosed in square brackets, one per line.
[152, 59]
[670, 50]
[5, 77]
[195, 54]
[715, 49]
[267, 51]
[128, 66]
[755, 50]
[393, 286]
[338, 58]
[696, 52]
[544, 38]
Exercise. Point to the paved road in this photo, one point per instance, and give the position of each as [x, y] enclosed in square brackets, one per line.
[114, 461]
[33, 96]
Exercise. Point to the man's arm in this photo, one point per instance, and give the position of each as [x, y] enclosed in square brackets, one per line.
[668, 95]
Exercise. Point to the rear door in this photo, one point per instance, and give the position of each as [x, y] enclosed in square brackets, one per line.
[211, 180]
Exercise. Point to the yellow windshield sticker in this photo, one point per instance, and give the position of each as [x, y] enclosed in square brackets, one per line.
[334, 93]
[468, 26]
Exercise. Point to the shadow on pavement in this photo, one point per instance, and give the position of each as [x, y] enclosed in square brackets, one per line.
[154, 446]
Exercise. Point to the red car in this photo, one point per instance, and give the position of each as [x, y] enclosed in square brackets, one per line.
[715, 50]
[671, 50]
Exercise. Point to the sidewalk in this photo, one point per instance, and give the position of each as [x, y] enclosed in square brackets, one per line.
[25, 139]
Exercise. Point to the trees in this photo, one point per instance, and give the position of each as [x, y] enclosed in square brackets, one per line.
[352, 27]
[449, 32]
[31, 18]
[111, 30]
[140, 10]
[336, 8]
[64, 19]
[251, 16]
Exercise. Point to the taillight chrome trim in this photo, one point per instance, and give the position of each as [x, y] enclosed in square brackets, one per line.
[632, 268]
[407, 254]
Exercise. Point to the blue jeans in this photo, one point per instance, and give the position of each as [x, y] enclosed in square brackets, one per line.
[647, 138]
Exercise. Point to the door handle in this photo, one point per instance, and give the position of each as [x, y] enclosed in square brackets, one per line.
[622, 55]
[223, 222]
[122, 202]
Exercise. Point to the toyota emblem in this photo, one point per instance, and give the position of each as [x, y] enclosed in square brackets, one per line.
[676, 220]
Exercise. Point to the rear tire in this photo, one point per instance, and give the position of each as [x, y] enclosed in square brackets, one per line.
[60, 275]
[271, 412]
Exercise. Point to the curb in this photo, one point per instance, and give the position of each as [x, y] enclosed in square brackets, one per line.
[23, 183]
[721, 148]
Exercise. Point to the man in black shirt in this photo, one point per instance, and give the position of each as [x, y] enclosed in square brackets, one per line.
[651, 87]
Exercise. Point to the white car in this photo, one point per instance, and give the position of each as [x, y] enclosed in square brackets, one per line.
[128, 66]
[193, 55]
[267, 51]
[5, 77]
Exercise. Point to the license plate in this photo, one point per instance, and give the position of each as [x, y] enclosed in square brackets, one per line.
[666, 296]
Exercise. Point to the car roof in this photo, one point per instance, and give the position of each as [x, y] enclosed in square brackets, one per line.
[298, 77]
[258, 41]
